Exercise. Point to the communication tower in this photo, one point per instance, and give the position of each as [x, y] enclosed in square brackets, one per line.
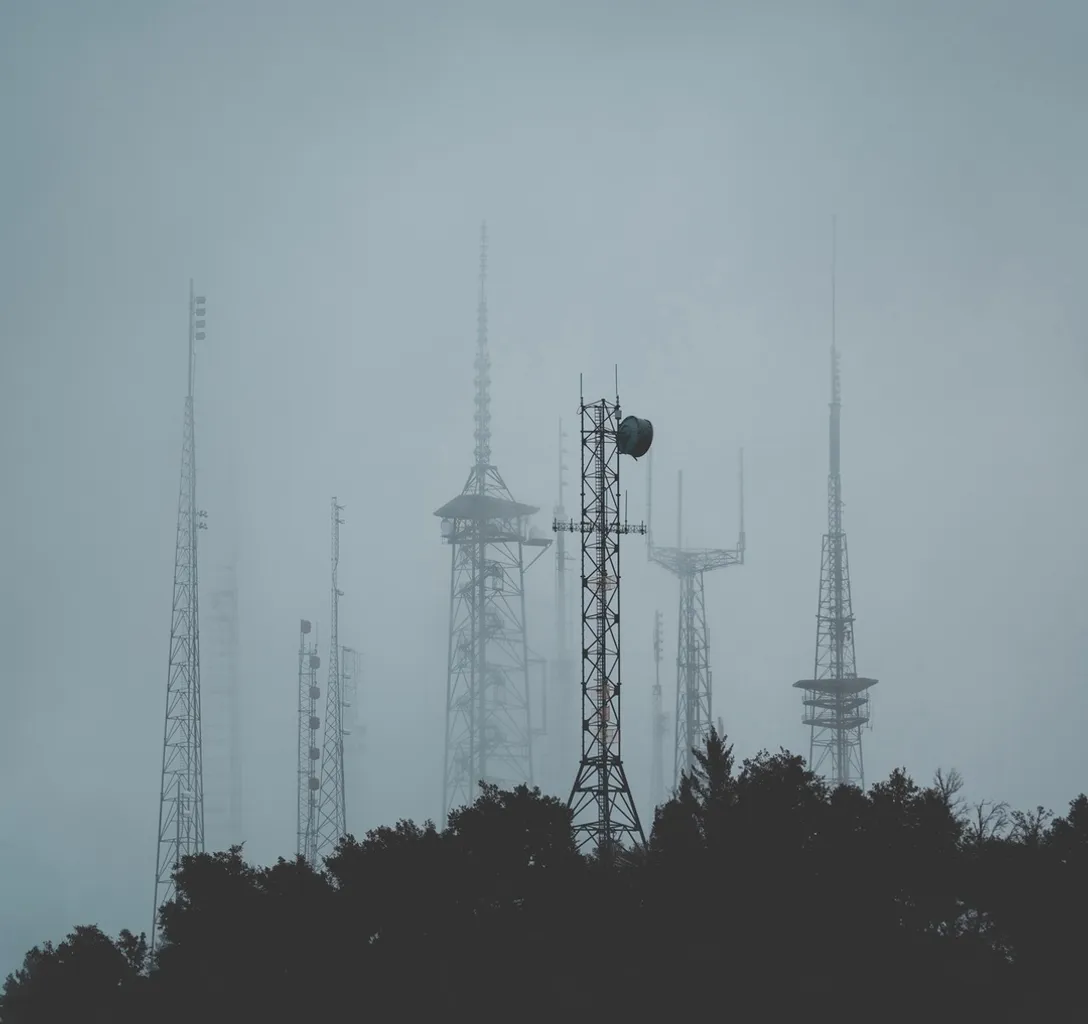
[836, 699]
[603, 809]
[564, 676]
[331, 805]
[309, 753]
[489, 728]
[181, 795]
[694, 690]
[657, 764]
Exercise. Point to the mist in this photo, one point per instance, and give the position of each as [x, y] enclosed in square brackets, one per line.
[658, 188]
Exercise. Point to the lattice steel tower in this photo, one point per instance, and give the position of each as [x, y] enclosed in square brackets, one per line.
[181, 796]
[309, 753]
[836, 699]
[604, 809]
[331, 805]
[657, 763]
[489, 729]
[694, 689]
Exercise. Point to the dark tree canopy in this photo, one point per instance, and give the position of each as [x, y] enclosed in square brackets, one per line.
[762, 893]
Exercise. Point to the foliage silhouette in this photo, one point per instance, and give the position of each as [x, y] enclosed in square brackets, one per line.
[761, 890]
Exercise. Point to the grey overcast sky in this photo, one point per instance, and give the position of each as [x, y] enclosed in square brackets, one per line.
[658, 181]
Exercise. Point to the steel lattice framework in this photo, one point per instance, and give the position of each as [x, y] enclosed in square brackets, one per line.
[309, 753]
[331, 803]
[660, 719]
[489, 728]
[836, 699]
[694, 682]
[603, 808]
[181, 795]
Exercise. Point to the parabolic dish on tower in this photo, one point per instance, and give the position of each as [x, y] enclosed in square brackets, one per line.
[634, 436]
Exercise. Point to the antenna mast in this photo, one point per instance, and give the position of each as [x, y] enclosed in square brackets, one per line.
[181, 794]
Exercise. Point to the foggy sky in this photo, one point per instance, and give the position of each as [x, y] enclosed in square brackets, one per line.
[658, 189]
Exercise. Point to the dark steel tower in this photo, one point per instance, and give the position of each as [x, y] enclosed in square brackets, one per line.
[489, 728]
[694, 690]
[836, 699]
[604, 810]
[309, 753]
[657, 764]
[181, 796]
[331, 805]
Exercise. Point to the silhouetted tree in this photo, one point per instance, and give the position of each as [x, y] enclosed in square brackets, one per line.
[87, 977]
[762, 892]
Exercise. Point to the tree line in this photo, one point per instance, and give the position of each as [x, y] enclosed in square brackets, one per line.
[761, 891]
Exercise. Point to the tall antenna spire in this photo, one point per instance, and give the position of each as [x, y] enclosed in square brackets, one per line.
[836, 699]
[489, 728]
[694, 691]
[836, 384]
[181, 796]
[483, 370]
[834, 261]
